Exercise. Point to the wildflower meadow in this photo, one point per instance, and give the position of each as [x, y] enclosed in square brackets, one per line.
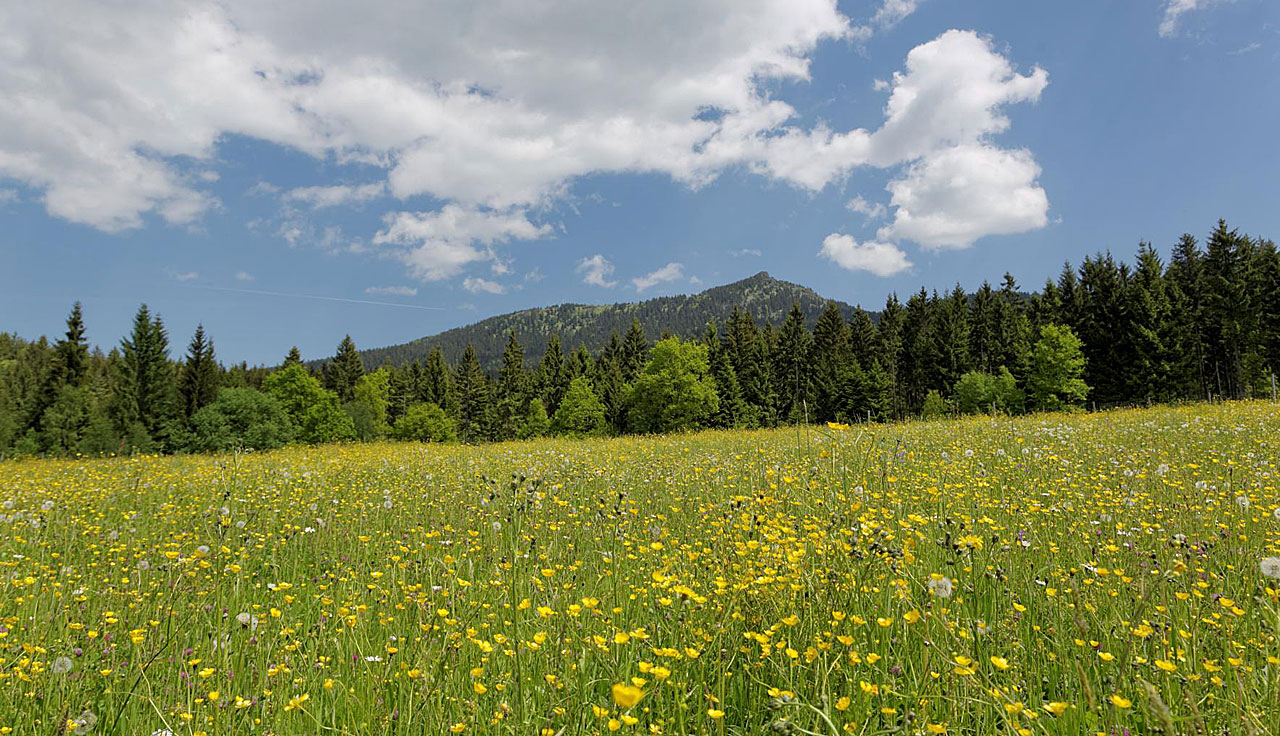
[1100, 573]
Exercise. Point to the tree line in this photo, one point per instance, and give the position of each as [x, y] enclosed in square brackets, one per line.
[1104, 333]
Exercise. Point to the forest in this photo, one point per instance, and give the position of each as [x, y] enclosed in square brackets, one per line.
[1105, 333]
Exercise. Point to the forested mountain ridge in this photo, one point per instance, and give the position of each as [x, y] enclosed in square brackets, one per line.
[766, 298]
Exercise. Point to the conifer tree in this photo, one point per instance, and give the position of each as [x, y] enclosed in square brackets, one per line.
[512, 389]
[950, 340]
[294, 357]
[635, 352]
[148, 392]
[437, 386]
[71, 353]
[553, 375]
[984, 333]
[790, 369]
[830, 364]
[475, 408]
[198, 379]
[344, 370]
[889, 356]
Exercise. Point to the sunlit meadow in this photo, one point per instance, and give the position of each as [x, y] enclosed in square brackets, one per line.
[1052, 574]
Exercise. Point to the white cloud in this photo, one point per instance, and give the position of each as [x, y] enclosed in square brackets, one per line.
[185, 275]
[596, 271]
[881, 259]
[1175, 9]
[534, 275]
[477, 285]
[391, 291]
[114, 113]
[669, 272]
[333, 196]
[244, 276]
[753, 252]
[955, 196]
[438, 245]
[872, 210]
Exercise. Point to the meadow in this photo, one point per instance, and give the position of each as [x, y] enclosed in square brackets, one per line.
[1051, 574]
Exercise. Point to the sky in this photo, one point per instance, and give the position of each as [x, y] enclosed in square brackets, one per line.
[290, 172]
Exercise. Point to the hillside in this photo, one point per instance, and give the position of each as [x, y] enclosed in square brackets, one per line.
[768, 299]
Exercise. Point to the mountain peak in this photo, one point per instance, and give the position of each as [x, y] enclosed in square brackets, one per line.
[766, 298]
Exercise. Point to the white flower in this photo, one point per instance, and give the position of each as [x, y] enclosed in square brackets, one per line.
[60, 665]
[1276, 513]
[1271, 567]
[940, 587]
[1242, 501]
[247, 620]
[1162, 469]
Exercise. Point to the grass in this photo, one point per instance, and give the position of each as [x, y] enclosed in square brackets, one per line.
[1051, 574]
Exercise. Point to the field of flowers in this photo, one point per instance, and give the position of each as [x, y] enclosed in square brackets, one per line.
[1108, 573]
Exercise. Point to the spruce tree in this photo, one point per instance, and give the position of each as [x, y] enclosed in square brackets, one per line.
[830, 365]
[475, 408]
[635, 352]
[513, 389]
[344, 370]
[71, 353]
[790, 368]
[553, 375]
[1013, 330]
[889, 355]
[984, 333]
[198, 380]
[293, 358]
[437, 386]
[147, 380]
[950, 341]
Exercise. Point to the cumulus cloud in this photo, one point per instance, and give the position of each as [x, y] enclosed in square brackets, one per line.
[669, 272]
[881, 259]
[596, 271]
[332, 196]
[476, 285]
[391, 291]
[114, 114]
[438, 245]
[955, 196]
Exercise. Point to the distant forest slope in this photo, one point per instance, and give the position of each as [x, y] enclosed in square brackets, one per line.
[766, 298]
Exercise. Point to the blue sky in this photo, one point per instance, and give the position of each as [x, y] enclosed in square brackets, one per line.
[287, 177]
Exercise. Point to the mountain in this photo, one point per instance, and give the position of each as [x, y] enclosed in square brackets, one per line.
[768, 299]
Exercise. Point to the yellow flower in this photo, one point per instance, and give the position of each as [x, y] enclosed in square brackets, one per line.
[458, 727]
[1000, 662]
[843, 703]
[1056, 708]
[936, 727]
[1120, 701]
[1166, 665]
[715, 714]
[626, 695]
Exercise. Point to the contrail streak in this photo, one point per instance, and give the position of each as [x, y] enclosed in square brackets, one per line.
[313, 296]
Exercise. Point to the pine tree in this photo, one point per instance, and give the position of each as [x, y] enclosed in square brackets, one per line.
[830, 365]
[1225, 306]
[862, 337]
[889, 356]
[198, 379]
[1013, 330]
[475, 408]
[553, 375]
[635, 352]
[148, 391]
[293, 358]
[790, 369]
[344, 370]
[1104, 327]
[513, 389]
[1149, 377]
[984, 333]
[950, 341]
[437, 386]
[917, 350]
[71, 353]
[1185, 303]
